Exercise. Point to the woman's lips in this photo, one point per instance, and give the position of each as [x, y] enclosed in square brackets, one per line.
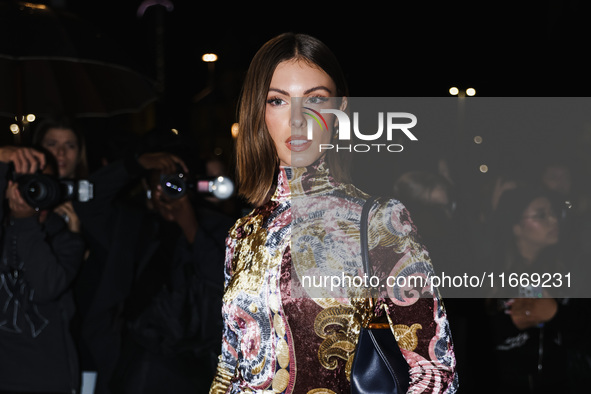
[298, 143]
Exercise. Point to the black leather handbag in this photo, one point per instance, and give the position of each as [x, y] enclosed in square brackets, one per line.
[378, 365]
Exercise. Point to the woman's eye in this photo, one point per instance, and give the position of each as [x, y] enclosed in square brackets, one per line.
[317, 100]
[275, 101]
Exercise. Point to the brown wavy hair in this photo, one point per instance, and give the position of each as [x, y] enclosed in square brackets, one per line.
[256, 156]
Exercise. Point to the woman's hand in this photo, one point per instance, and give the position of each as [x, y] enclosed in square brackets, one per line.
[66, 210]
[530, 312]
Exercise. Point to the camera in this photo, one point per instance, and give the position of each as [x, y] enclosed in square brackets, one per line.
[43, 191]
[178, 184]
[175, 185]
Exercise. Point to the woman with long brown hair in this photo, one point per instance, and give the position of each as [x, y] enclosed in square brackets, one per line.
[279, 333]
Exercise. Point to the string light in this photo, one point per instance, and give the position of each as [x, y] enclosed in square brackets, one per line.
[454, 91]
[209, 57]
[235, 129]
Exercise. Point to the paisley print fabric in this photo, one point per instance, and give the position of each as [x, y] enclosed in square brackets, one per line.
[282, 335]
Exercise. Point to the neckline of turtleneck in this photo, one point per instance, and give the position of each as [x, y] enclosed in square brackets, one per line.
[290, 180]
[282, 191]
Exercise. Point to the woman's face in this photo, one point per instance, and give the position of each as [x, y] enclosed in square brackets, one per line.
[63, 144]
[284, 117]
[538, 225]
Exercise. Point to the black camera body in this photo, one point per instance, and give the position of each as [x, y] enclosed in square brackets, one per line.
[42, 191]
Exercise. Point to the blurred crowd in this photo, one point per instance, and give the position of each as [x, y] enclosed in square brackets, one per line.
[116, 292]
[533, 338]
[127, 286]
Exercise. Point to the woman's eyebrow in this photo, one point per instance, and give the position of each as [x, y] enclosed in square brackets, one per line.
[281, 91]
[318, 88]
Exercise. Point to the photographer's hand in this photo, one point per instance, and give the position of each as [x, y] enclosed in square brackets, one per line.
[66, 210]
[26, 160]
[530, 312]
[163, 161]
[17, 205]
[185, 218]
[180, 211]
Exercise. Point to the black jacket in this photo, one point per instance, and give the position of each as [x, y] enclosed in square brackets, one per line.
[39, 263]
[173, 313]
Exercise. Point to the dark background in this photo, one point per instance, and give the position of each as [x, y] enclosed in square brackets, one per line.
[387, 49]
[394, 49]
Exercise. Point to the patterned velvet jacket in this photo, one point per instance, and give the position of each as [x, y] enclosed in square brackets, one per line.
[287, 333]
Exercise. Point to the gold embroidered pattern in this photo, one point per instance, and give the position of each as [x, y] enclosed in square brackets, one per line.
[279, 326]
[258, 368]
[332, 324]
[251, 259]
[338, 316]
[336, 345]
[349, 365]
[282, 350]
[407, 336]
[280, 381]
[380, 234]
[222, 379]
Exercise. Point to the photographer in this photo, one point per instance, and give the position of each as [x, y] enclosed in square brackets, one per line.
[172, 314]
[40, 258]
[110, 228]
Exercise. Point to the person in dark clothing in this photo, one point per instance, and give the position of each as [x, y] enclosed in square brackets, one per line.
[111, 228]
[529, 329]
[39, 259]
[172, 314]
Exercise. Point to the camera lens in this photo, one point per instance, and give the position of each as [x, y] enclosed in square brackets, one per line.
[173, 185]
[39, 191]
[36, 191]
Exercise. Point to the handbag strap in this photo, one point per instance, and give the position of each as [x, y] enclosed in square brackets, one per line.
[363, 228]
[364, 234]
